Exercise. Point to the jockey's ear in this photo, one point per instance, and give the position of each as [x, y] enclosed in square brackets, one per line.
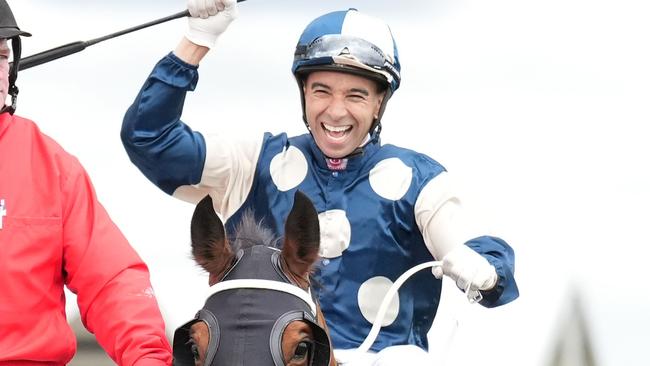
[210, 248]
[302, 235]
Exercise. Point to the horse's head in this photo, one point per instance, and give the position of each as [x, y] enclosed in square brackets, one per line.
[260, 310]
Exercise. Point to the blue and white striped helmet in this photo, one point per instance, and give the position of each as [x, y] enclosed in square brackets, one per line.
[352, 42]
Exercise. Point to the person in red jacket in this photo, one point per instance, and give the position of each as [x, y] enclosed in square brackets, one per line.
[54, 233]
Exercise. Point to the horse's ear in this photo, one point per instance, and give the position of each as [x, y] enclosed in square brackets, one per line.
[210, 248]
[302, 235]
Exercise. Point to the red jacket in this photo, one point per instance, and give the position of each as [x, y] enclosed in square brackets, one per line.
[53, 233]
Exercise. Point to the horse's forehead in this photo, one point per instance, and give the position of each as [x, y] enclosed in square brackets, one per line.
[259, 262]
[260, 268]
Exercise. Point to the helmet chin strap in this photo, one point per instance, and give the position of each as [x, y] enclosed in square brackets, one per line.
[13, 75]
[374, 138]
[13, 91]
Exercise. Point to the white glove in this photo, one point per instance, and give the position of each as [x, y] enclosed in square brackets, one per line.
[469, 269]
[209, 19]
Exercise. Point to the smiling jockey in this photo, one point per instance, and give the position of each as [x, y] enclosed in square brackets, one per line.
[382, 209]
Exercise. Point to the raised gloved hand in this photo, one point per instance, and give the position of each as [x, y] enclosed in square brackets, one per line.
[209, 19]
[469, 269]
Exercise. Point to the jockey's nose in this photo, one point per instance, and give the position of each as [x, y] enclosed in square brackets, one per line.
[336, 108]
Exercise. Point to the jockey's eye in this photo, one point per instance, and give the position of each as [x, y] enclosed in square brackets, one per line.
[302, 350]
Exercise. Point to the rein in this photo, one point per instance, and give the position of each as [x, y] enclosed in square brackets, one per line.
[472, 295]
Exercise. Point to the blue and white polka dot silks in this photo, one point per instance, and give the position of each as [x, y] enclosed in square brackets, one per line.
[372, 227]
[368, 233]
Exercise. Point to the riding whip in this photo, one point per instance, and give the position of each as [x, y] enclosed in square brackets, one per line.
[74, 47]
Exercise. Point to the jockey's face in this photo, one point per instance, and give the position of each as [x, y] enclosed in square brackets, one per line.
[340, 109]
[5, 52]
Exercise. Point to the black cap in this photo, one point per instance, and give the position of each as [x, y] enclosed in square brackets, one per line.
[8, 26]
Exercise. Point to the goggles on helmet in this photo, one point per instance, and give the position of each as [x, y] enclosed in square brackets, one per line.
[346, 50]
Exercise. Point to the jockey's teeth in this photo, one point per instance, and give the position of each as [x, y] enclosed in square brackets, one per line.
[335, 132]
[336, 128]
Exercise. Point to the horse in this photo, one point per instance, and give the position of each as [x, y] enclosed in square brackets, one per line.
[259, 310]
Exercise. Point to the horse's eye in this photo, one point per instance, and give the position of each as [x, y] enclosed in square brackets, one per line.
[195, 351]
[302, 350]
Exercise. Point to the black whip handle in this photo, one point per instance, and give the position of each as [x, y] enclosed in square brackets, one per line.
[53, 54]
[74, 47]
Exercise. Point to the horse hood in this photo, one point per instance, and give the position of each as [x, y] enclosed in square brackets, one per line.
[247, 313]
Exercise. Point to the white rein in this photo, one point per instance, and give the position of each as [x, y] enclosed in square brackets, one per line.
[472, 295]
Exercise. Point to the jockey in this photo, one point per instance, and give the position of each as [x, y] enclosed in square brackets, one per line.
[54, 233]
[383, 209]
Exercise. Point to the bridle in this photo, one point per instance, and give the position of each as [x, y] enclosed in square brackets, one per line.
[247, 313]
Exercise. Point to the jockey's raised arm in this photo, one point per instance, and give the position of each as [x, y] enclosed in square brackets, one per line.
[383, 209]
